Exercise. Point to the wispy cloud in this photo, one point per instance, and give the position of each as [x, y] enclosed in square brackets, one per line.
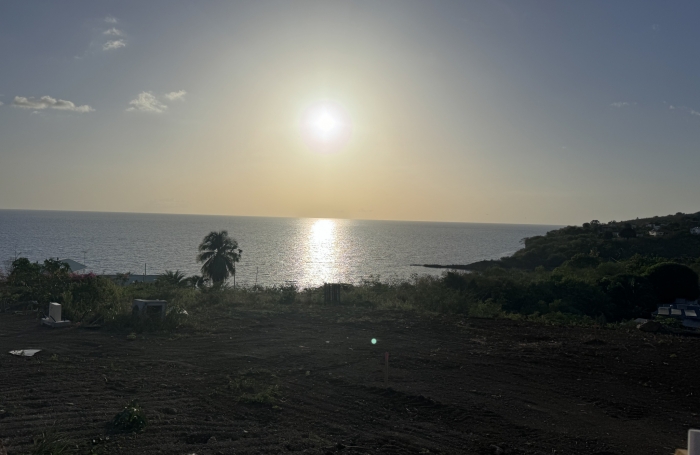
[114, 44]
[687, 109]
[173, 96]
[47, 102]
[1, 103]
[622, 104]
[105, 39]
[655, 27]
[147, 102]
[113, 32]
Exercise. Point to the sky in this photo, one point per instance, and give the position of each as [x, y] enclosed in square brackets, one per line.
[540, 112]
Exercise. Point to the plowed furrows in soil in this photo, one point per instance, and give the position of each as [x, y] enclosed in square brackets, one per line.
[377, 412]
[80, 422]
[421, 421]
[557, 396]
[86, 424]
[501, 395]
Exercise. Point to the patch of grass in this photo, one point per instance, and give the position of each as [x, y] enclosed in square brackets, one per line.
[131, 419]
[50, 443]
[254, 387]
[671, 323]
[488, 309]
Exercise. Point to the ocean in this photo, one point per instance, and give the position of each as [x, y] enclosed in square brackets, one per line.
[276, 251]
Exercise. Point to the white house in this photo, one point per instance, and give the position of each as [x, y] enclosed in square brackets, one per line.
[74, 265]
[695, 230]
[655, 233]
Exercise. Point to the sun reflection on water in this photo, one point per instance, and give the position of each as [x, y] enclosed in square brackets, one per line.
[321, 252]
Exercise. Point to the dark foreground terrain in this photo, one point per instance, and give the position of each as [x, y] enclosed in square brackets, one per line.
[310, 381]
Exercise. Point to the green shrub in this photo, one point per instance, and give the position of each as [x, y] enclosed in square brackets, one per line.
[288, 293]
[131, 419]
[670, 322]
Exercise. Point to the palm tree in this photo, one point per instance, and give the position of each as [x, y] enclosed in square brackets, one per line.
[197, 281]
[218, 254]
[176, 278]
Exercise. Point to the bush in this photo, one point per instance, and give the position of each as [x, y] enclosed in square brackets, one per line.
[131, 419]
[93, 298]
[288, 294]
[670, 281]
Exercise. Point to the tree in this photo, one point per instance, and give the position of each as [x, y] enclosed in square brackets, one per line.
[670, 281]
[197, 281]
[33, 281]
[627, 232]
[218, 254]
[176, 278]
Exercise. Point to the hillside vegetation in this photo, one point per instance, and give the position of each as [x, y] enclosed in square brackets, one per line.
[613, 241]
[578, 274]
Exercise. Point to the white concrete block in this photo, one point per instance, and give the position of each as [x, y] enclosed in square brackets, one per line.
[693, 442]
[55, 311]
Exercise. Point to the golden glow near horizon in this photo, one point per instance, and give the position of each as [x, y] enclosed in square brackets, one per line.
[329, 110]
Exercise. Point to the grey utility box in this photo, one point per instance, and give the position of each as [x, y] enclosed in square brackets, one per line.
[149, 308]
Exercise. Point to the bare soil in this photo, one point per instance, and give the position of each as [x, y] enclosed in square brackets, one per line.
[309, 380]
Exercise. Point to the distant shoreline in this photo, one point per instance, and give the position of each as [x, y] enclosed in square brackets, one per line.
[479, 265]
[440, 266]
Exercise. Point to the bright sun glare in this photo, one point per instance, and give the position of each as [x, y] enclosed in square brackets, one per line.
[326, 126]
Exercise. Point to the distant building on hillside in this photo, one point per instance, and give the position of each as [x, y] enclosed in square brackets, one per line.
[655, 233]
[695, 230]
[74, 265]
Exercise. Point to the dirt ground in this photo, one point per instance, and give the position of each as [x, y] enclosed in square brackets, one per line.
[309, 380]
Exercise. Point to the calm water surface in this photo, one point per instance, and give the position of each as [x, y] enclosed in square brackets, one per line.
[276, 250]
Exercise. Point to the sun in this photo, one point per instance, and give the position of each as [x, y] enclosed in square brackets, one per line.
[326, 126]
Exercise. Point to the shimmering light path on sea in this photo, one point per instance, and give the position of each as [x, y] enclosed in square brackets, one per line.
[304, 250]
